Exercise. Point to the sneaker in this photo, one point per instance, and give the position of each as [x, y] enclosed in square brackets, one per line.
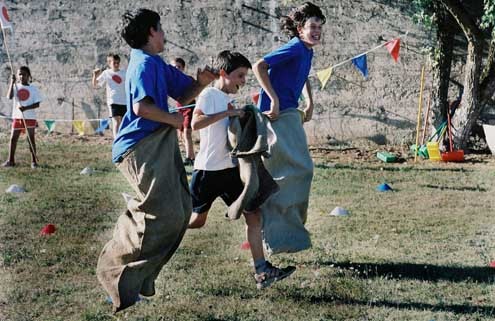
[272, 274]
[34, 165]
[188, 162]
[8, 164]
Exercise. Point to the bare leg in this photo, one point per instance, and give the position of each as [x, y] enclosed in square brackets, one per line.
[253, 232]
[14, 137]
[188, 143]
[116, 120]
[33, 142]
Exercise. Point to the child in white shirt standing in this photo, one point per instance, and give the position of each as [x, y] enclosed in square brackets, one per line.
[114, 78]
[26, 99]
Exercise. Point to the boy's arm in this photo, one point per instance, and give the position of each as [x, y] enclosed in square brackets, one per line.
[204, 78]
[308, 97]
[10, 92]
[260, 70]
[96, 73]
[32, 106]
[147, 109]
[200, 120]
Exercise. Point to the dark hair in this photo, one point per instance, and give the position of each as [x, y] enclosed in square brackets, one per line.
[298, 17]
[181, 61]
[230, 61]
[28, 71]
[113, 56]
[136, 24]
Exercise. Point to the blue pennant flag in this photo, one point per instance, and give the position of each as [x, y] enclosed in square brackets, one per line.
[361, 64]
[103, 125]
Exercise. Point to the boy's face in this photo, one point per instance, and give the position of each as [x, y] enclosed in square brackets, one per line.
[157, 37]
[23, 76]
[235, 80]
[178, 65]
[113, 64]
[310, 33]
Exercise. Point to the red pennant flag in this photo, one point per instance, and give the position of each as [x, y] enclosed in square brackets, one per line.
[393, 47]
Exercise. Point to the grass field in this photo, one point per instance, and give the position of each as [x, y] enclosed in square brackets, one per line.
[420, 252]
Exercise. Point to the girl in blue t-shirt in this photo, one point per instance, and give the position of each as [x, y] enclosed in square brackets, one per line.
[283, 73]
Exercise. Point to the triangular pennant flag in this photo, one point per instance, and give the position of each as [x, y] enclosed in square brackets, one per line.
[324, 75]
[393, 47]
[103, 125]
[50, 125]
[4, 17]
[361, 64]
[79, 126]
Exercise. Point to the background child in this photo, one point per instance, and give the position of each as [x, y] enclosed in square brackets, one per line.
[114, 78]
[215, 173]
[26, 99]
[185, 131]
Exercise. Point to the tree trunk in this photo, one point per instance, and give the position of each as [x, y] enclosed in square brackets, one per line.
[441, 71]
[470, 108]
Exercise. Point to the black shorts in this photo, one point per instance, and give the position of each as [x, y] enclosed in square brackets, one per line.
[206, 186]
[117, 110]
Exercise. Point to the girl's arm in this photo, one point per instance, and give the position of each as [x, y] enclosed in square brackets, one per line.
[200, 120]
[308, 97]
[10, 92]
[260, 70]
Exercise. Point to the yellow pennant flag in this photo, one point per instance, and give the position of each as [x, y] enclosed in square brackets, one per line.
[324, 75]
[79, 126]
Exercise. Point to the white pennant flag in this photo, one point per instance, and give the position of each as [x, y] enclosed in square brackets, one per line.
[4, 17]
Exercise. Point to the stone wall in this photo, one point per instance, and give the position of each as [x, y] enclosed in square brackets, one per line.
[63, 41]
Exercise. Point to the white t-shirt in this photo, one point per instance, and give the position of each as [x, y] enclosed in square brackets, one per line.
[25, 95]
[115, 82]
[213, 153]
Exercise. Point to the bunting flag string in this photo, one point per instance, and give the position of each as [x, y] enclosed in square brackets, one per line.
[360, 60]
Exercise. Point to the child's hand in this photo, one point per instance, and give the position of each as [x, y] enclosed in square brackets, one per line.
[22, 108]
[236, 113]
[96, 71]
[272, 114]
[205, 76]
[176, 120]
[308, 113]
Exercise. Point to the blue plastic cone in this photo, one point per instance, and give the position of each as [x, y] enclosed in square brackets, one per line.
[384, 188]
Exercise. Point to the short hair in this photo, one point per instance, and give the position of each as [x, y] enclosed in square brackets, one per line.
[230, 61]
[136, 24]
[298, 17]
[181, 61]
[26, 70]
[113, 56]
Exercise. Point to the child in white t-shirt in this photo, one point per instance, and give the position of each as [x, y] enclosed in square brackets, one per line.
[26, 99]
[215, 172]
[114, 79]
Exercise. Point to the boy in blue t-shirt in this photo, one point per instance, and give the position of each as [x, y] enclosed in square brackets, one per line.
[146, 151]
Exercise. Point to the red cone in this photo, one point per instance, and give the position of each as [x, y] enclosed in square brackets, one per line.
[492, 264]
[48, 229]
[245, 245]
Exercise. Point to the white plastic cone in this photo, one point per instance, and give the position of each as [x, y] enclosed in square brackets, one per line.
[87, 171]
[15, 189]
[339, 211]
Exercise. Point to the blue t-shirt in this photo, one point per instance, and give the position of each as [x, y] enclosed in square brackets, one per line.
[288, 70]
[147, 75]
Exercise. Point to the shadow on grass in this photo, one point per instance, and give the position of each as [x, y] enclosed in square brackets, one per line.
[459, 188]
[426, 272]
[392, 169]
[298, 297]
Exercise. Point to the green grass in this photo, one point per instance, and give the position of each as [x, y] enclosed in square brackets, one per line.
[420, 252]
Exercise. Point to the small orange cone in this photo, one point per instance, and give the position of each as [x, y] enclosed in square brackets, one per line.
[245, 245]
